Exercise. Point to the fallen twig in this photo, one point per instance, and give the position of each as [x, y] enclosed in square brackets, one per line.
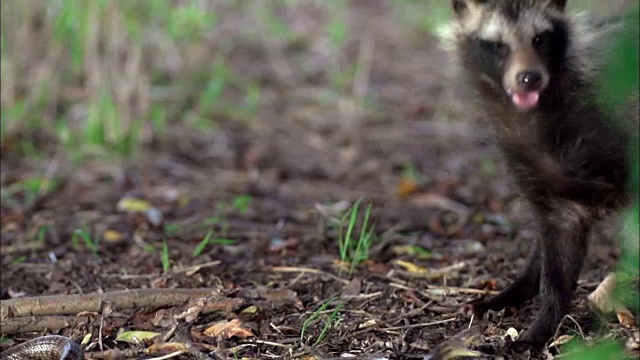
[450, 290]
[431, 274]
[169, 356]
[418, 325]
[74, 304]
[444, 290]
[307, 270]
[37, 324]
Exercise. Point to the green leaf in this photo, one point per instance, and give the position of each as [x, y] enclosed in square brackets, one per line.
[135, 337]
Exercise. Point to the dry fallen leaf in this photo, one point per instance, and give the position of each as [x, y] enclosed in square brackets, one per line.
[250, 310]
[166, 348]
[411, 267]
[512, 333]
[281, 296]
[133, 205]
[112, 236]
[625, 317]
[412, 250]
[368, 324]
[352, 288]
[135, 337]
[407, 186]
[86, 339]
[561, 340]
[228, 329]
[601, 297]
[197, 307]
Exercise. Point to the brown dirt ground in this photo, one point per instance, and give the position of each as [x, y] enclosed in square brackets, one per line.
[305, 153]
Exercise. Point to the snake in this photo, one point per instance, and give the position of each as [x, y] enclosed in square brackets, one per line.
[50, 347]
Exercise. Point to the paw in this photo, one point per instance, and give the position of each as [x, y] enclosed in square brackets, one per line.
[476, 308]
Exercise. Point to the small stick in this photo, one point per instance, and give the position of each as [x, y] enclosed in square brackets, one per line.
[74, 304]
[419, 325]
[307, 270]
[169, 356]
[442, 290]
[37, 324]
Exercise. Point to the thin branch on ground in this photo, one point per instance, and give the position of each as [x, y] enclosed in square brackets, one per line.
[393, 328]
[307, 270]
[74, 304]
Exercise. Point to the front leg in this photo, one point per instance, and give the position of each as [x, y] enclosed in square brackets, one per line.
[565, 227]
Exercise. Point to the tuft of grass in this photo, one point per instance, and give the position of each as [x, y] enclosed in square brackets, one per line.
[19, 259]
[197, 251]
[353, 248]
[171, 229]
[330, 321]
[42, 234]
[242, 203]
[29, 190]
[91, 242]
[91, 81]
[164, 256]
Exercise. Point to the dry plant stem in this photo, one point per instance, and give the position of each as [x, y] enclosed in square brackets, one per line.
[307, 270]
[119, 300]
[37, 324]
[170, 356]
[418, 325]
[457, 290]
[441, 290]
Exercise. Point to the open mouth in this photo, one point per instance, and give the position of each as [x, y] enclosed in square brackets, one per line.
[525, 100]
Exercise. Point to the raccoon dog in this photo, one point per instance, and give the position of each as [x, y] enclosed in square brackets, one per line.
[531, 69]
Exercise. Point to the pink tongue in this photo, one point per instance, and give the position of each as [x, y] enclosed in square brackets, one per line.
[526, 100]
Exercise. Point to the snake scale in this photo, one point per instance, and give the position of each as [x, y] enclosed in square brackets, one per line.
[50, 347]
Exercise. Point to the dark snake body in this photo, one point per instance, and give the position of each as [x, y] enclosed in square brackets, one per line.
[51, 347]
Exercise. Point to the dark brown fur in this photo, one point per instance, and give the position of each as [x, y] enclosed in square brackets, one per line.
[567, 159]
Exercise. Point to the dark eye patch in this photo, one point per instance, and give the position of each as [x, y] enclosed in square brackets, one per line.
[552, 45]
[486, 57]
[542, 39]
[495, 47]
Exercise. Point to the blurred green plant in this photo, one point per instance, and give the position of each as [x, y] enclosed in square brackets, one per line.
[242, 203]
[331, 320]
[353, 248]
[91, 242]
[619, 84]
[164, 256]
[104, 76]
[28, 191]
[424, 15]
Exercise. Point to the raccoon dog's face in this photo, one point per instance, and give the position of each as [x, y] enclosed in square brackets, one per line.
[515, 46]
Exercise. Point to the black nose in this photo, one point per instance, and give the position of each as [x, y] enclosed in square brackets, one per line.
[529, 80]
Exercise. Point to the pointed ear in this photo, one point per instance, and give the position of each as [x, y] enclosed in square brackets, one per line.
[558, 4]
[461, 7]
